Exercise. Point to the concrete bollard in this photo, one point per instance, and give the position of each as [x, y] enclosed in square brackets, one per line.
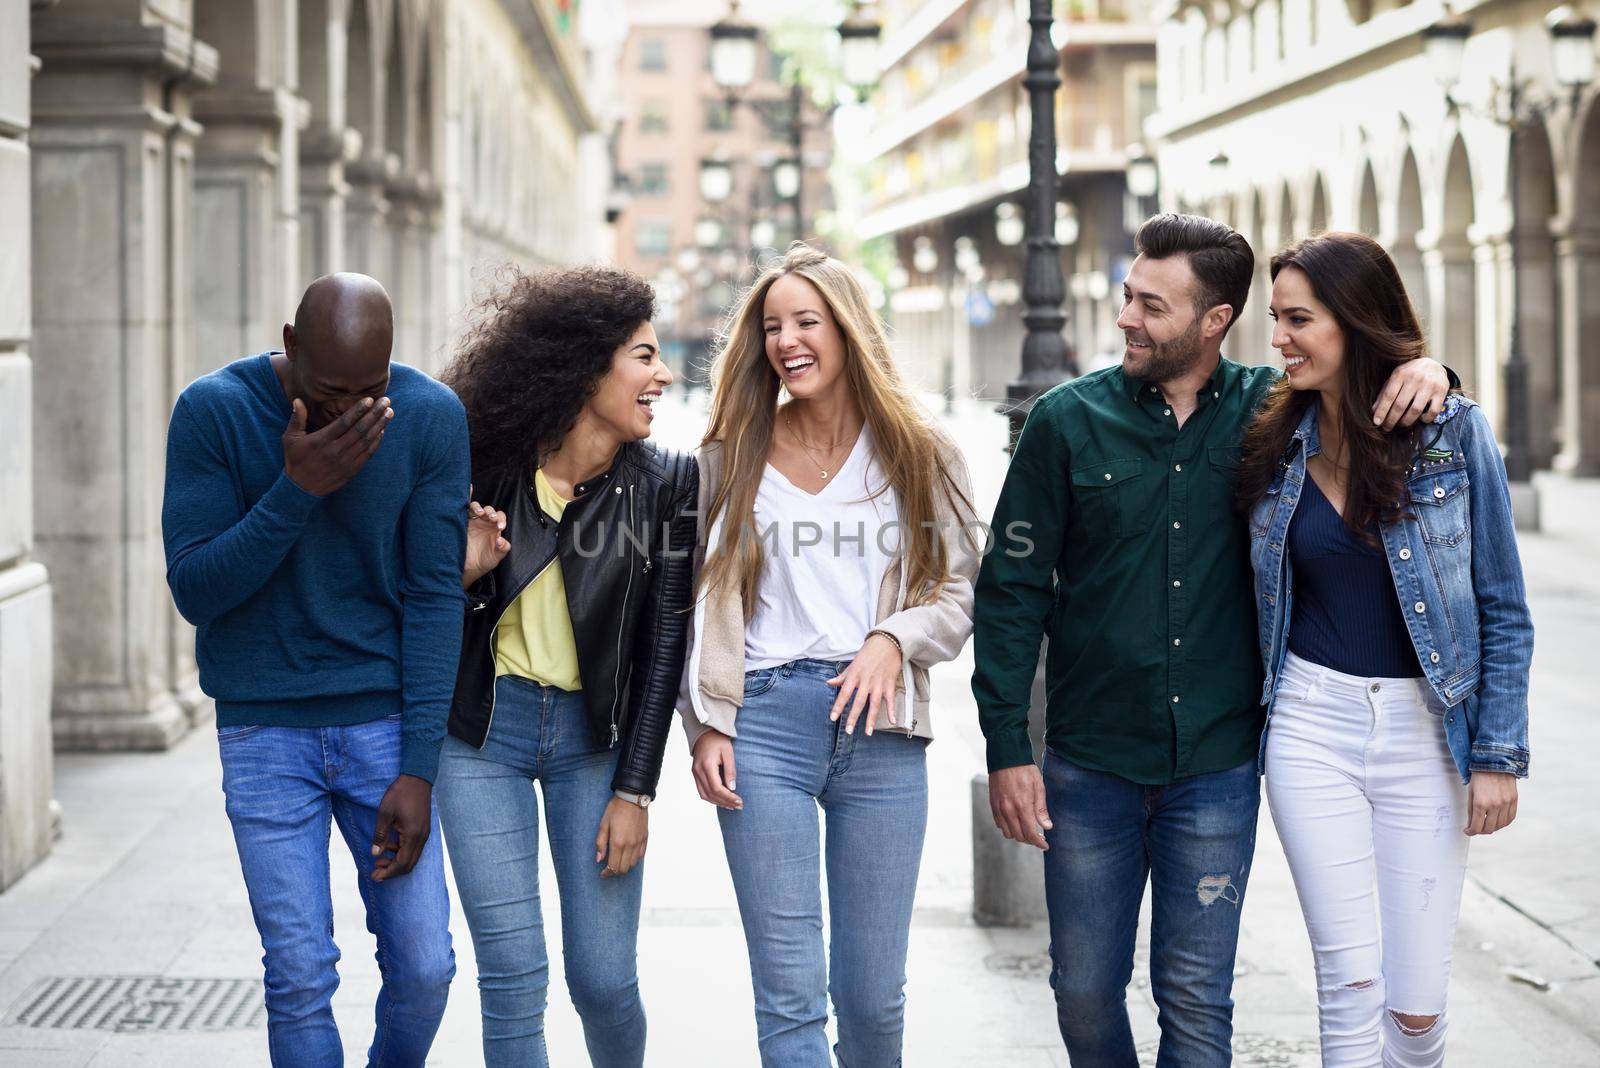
[1007, 876]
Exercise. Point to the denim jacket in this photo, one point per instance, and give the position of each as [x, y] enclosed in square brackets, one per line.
[1456, 573]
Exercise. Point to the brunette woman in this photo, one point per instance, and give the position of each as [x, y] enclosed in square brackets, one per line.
[838, 568]
[1396, 640]
[578, 575]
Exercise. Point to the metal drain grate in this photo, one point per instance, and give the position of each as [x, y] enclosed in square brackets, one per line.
[131, 1003]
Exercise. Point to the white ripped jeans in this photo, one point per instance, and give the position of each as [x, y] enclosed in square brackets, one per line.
[1371, 812]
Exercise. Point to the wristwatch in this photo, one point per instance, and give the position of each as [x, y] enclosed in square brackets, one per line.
[642, 800]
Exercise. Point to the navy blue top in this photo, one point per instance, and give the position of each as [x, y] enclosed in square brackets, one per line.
[1346, 615]
[320, 611]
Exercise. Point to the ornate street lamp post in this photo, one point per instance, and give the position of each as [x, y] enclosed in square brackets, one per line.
[734, 54]
[1047, 357]
[1573, 65]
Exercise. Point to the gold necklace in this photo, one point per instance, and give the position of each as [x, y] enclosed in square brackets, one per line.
[811, 455]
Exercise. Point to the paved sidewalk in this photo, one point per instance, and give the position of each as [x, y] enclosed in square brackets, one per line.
[145, 882]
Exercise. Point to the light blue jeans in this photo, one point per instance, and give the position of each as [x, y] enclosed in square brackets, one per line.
[790, 759]
[490, 812]
[283, 785]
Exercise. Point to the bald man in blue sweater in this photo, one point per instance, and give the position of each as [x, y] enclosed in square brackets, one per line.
[315, 528]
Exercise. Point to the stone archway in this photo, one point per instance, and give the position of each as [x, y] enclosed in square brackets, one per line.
[1578, 253]
[1537, 292]
[1452, 272]
[1367, 204]
[1403, 241]
[1317, 218]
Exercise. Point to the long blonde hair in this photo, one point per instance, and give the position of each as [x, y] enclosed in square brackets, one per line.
[744, 401]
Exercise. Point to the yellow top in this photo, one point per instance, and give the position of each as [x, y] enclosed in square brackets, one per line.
[534, 639]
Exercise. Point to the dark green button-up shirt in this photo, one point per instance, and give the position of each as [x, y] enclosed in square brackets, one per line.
[1116, 538]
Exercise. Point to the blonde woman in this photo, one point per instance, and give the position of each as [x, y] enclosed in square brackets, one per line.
[837, 568]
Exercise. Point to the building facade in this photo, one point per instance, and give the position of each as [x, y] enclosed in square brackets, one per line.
[190, 167]
[675, 119]
[950, 156]
[1329, 116]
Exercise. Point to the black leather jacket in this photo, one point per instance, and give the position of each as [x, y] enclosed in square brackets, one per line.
[626, 546]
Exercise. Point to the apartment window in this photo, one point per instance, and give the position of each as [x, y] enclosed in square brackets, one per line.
[653, 117]
[779, 116]
[652, 54]
[653, 237]
[653, 180]
[719, 115]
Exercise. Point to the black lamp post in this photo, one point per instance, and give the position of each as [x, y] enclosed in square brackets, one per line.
[1047, 357]
[1573, 65]
[733, 65]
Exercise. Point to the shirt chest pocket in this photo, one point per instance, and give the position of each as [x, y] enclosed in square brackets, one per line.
[1109, 498]
[1442, 505]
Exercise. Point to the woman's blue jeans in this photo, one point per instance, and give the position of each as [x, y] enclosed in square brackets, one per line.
[489, 809]
[790, 760]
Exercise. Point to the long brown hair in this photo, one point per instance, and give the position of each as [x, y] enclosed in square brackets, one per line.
[744, 399]
[1355, 279]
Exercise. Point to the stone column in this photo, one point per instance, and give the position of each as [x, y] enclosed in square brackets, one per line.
[412, 200]
[324, 152]
[366, 212]
[1577, 251]
[1448, 265]
[1491, 310]
[25, 610]
[247, 222]
[1537, 289]
[111, 146]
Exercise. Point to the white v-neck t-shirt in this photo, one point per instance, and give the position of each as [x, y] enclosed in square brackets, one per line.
[824, 558]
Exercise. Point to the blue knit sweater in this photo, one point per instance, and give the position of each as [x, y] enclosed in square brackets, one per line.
[320, 611]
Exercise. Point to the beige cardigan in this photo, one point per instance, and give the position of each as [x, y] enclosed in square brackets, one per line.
[713, 678]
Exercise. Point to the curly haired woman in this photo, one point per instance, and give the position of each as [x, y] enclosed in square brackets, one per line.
[578, 575]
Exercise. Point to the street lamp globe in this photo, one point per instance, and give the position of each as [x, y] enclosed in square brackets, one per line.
[688, 259]
[1066, 223]
[708, 233]
[763, 233]
[899, 277]
[1445, 45]
[858, 47]
[716, 180]
[924, 257]
[786, 178]
[1009, 226]
[967, 256]
[1571, 48]
[1143, 177]
[733, 49]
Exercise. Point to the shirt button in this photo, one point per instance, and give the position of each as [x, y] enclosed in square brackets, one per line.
[1433, 658]
[1175, 582]
[1174, 698]
[1177, 526]
[1438, 491]
[1215, 395]
[1405, 554]
[1108, 476]
[1419, 608]
[1177, 641]
[1177, 467]
[1166, 411]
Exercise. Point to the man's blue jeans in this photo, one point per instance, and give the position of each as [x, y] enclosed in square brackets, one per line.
[1193, 840]
[283, 785]
[790, 759]
[490, 810]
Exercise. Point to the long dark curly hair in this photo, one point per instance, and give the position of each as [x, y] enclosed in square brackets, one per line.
[1358, 282]
[535, 353]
